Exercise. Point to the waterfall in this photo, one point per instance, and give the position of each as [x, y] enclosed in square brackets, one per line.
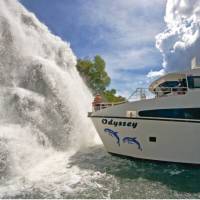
[43, 100]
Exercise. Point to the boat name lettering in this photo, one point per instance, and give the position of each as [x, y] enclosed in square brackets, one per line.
[119, 123]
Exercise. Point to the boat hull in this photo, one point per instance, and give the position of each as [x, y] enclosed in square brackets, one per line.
[152, 139]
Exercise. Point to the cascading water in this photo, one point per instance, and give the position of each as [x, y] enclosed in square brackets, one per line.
[45, 136]
[43, 107]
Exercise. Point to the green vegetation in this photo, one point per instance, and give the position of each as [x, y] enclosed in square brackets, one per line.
[97, 79]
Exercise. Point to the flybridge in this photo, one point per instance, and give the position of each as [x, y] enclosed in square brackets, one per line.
[172, 84]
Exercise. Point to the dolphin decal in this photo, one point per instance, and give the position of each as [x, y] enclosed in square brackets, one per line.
[134, 140]
[113, 134]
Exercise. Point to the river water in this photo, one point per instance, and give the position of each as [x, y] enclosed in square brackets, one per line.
[92, 173]
[48, 146]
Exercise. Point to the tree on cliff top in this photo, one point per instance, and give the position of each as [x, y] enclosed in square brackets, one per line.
[96, 78]
[93, 71]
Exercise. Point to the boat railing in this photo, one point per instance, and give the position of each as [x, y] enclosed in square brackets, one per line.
[140, 94]
[145, 93]
[168, 91]
[103, 105]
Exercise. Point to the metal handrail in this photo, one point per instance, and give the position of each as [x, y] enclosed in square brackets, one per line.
[159, 92]
[171, 88]
[100, 106]
[141, 91]
[165, 91]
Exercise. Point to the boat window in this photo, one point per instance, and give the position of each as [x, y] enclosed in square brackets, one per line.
[169, 84]
[184, 83]
[179, 86]
[194, 81]
[181, 113]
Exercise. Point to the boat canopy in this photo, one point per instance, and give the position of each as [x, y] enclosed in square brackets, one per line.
[177, 76]
[167, 78]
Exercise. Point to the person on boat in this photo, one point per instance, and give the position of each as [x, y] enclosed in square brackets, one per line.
[96, 104]
[182, 87]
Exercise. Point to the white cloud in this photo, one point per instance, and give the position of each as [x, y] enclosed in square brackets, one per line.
[128, 30]
[180, 42]
[155, 74]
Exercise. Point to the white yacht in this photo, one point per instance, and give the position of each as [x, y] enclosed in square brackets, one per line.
[165, 127]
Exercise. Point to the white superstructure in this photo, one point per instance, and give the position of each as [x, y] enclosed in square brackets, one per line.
[164, 128]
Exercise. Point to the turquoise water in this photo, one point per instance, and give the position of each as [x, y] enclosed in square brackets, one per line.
[102, 175]
[139, 178]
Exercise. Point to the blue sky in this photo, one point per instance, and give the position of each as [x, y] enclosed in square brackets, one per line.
[121, 31]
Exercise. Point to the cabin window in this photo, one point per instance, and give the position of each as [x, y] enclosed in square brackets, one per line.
[179, 86]
[152, 139]
[169, 84]
[194, 82]
[180, 113]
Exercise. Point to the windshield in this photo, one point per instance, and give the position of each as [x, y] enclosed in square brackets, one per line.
[169, 84]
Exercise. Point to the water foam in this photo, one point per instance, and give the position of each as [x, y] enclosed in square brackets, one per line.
[43, 105]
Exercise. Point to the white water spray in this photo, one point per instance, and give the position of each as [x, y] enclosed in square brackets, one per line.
[43, 104]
